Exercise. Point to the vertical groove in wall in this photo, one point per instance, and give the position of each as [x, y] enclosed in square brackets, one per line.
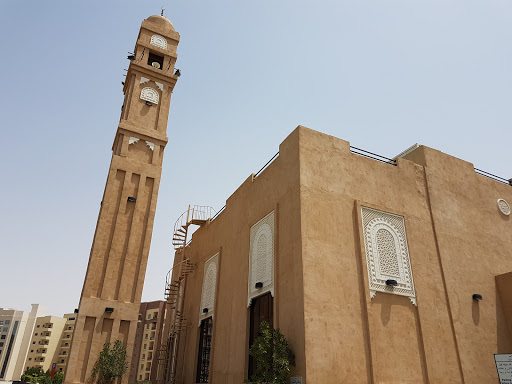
[119, 183]
[424, 369]
[106, 331]
[85, 346]
[363, 292]
[127, 106]
[131, 207]
[124, 329]
[452, 326]
[148, 191]
[158, 111]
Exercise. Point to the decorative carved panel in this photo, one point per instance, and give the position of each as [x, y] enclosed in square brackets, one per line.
[387, 253]
[211, 267]
[149, 94]
[158, 41]
[504, 207]
[261, 257]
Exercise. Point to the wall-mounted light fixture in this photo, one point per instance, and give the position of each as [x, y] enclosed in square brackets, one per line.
[132, 199]
[259, 285]
[109, 309]
[177, 72]
[391, 282]
[477, 296]
[205, 310]
[149, 103]
[76, 310]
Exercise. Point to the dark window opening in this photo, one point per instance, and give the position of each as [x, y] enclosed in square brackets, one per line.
[262, 309]
[9, 347]
[204, 354]
[155, 61]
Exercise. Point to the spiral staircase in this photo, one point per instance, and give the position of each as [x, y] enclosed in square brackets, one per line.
[168, 353]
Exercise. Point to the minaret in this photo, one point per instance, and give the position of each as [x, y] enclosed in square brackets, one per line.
[110, 300]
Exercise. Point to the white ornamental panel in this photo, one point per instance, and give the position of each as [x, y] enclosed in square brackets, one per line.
[149, 94]
[261, 258]
[211, 267]
[504, 207]
[158, 41]
[387, 253]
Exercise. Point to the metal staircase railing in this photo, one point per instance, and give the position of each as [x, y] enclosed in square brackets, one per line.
[174, 292]
[198, 215]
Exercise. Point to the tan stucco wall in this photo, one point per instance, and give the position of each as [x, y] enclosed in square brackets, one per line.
[276, 189]
[458, 243]
[455, 252]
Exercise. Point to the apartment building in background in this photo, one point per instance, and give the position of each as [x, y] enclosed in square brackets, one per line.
[15, 333]
[144, 362]
[65, 342]
[45, 342]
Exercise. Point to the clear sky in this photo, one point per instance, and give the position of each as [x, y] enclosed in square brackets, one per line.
[381, 74]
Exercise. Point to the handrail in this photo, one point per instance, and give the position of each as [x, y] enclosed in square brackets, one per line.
[493, 177]
[265, 166]
[197, 212]
[371, 155]
[217, 214]
[255, 175]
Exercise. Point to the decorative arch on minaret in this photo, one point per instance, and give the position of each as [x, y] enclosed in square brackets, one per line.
[211, 266]
[261, 258]
[150, 94]
[158, 41]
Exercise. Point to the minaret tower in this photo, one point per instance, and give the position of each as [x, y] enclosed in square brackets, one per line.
[110, 300]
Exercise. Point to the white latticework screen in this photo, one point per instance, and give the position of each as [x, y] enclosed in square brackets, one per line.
[211, 267]
[261, 257]
[149, 94]
[387, 253]
[158, 41]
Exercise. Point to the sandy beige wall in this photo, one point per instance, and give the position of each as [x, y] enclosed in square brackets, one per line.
[475, 242]
[276, 189]
[455, 252]
[349, 336]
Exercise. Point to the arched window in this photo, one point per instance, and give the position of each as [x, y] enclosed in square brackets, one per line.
[209, 286]
[261, 258]
[387, 254]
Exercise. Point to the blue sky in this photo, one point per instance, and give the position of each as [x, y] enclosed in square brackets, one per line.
[381, 74]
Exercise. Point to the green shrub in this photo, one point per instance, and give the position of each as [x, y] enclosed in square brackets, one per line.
[272, 355]
[111, 364]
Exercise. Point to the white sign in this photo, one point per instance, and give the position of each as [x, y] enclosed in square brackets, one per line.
[504, 367]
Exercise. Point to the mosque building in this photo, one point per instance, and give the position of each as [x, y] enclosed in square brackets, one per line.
[376, 270]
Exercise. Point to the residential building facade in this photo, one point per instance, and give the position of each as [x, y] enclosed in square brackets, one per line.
[46, 341]
[376, 270]
[16, 329]
[61, 359]
[144, 362]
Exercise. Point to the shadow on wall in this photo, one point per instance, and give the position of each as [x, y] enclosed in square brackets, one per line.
[504, 312]
[476, 312]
